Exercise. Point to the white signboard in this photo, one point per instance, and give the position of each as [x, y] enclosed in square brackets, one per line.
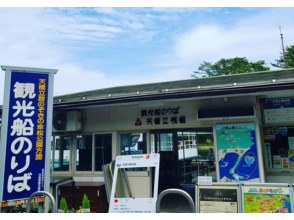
[204, 180]
[133, 204]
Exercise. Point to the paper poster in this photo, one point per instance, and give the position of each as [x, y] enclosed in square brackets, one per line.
[285, 162]
[268, 155]
[266, 199]
[277, 161]
[291, 143]
[291, 158]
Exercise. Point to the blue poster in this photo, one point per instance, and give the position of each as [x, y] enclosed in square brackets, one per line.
[237, 153]
[26, 135]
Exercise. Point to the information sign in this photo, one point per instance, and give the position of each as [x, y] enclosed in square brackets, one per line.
[278, 110]
[237, 153]
[217, 198]
[267, 198]
[26, 132]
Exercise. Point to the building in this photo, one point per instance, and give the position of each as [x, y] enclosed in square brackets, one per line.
[189, 122]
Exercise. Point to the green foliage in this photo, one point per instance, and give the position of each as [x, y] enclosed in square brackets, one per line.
[63, 204]
[289, 58]
[230, 66]
[85, 202]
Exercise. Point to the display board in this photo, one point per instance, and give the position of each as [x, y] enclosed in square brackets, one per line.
[237, 153]
[129, 203]
[217, 198]
[278, 110]
[267, 198]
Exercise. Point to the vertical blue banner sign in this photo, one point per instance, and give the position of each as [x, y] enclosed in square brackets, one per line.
[237, 153]
[26, 132]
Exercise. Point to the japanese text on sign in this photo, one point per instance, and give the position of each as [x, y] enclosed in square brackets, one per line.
[160, 116]
[26, 135]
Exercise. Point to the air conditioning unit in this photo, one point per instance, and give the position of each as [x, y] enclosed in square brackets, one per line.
[67, 121]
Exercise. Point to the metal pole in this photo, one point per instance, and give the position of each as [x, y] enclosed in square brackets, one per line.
[283, 48]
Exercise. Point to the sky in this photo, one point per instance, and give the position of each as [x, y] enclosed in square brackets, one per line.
[102, 47]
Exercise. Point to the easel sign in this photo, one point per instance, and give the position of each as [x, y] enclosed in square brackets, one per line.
[217, 198]
[128, 203]
[267, 198]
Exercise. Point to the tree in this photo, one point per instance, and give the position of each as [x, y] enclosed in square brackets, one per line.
[289, 58]
[229, 66]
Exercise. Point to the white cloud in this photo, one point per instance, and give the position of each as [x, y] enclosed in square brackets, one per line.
[53, 38]
[255, 37]
[27, 41]
[107, 11]
[70, 79]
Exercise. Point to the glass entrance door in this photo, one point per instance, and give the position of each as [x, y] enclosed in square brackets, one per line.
[165, 144]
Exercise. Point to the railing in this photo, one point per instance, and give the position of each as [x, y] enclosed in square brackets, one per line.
[54, 208]
[174, 201]
[192, 168]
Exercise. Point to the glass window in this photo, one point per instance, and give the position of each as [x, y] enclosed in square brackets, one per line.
[103, 150]
[279, 147]
[84, 153]
[51, 153]
[133, 143]
[187, 145]
[166, 142]
[162, 142]
[196, 155]
[61, 156]
[205, 145]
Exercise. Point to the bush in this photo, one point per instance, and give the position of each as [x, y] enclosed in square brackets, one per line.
[63, 204]
[86, 202]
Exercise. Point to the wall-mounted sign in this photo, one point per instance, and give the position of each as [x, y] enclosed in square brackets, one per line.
[160, 116]
[267, 198]
[237, 153]
[129, 203]
[278, 110]
[217, 198]
[25, 133]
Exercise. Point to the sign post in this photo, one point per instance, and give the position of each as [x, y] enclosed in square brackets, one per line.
[26, 132]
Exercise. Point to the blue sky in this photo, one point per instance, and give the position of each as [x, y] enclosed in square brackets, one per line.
[96, 47]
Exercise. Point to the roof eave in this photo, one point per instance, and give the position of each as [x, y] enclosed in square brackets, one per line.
[174, 95]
